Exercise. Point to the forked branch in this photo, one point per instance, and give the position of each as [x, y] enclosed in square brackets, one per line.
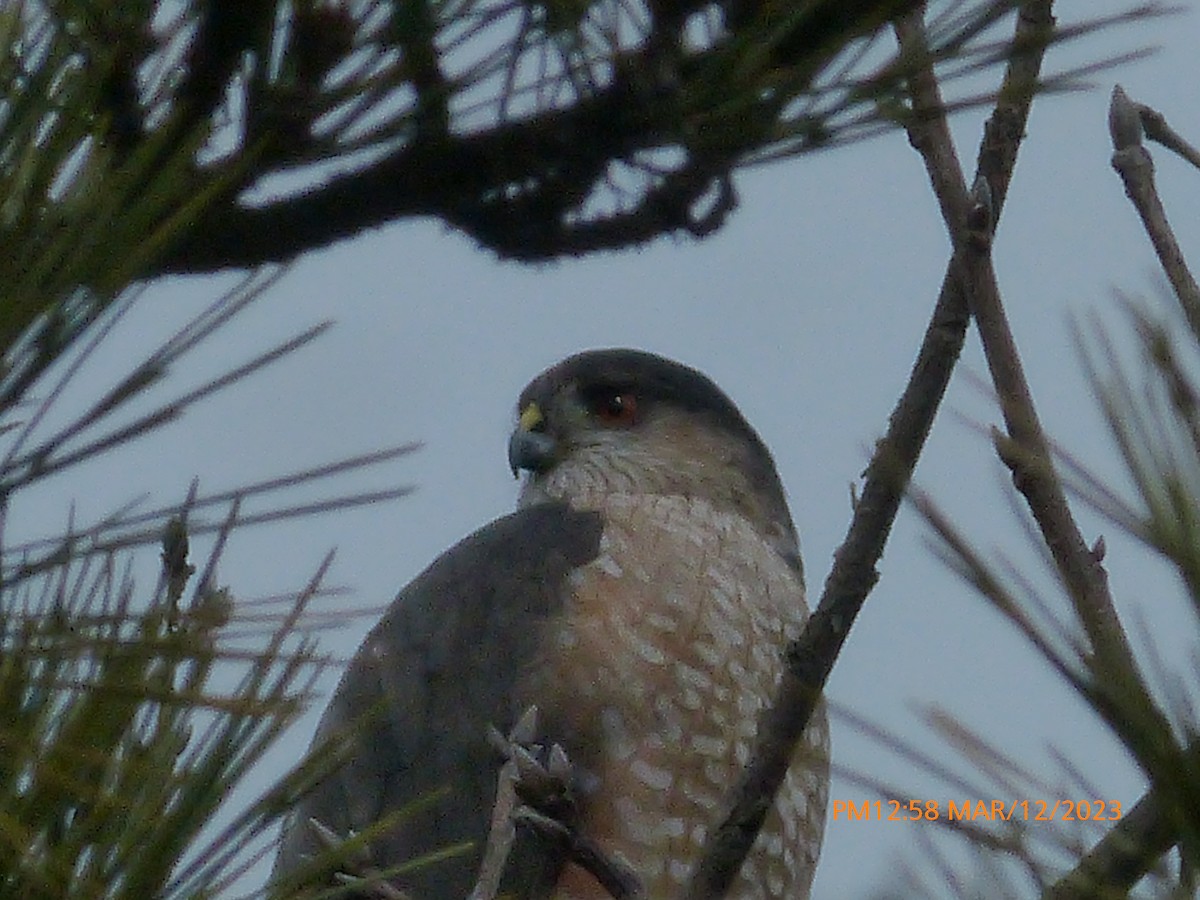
[811, 657]
[1129, 850]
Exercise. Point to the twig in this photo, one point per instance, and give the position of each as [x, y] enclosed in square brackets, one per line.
[1127, 122]
[502, 832]
[176, 570]
[1154, 124]
[619, 882]
[548, 810]
[812, 656]
[500, 837]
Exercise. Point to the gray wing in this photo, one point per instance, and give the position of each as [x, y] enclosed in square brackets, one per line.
[438, 668]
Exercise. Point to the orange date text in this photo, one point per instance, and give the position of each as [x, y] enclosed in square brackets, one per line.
[977, 810]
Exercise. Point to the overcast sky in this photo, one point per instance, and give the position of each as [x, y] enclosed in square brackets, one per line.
[807, 309]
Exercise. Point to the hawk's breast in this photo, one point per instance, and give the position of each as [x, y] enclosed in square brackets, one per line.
[670, 647]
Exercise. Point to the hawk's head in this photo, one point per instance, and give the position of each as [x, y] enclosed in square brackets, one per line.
[626, 421]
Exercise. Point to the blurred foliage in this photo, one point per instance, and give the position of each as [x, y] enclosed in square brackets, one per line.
[540, 127]
[129, 711]
[115, 748]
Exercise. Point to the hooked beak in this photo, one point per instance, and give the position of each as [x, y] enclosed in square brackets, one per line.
[530, 447]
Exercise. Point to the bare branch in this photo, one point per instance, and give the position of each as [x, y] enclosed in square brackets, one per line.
[502, 831]
[1122, 857]
[1153, 826]
[1133, 163]
[1032, 466]
[618, 881]
[1115, 686]
[811, 657]
[1156, 128]
[537, 796]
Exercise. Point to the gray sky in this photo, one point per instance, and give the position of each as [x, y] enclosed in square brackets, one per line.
[807, 309]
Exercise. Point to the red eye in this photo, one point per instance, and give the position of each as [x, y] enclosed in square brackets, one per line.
[615, 408]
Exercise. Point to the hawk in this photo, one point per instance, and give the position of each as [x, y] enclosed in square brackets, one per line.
[640, 597]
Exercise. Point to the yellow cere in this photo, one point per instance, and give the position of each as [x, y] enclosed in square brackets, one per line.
[531, 417]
